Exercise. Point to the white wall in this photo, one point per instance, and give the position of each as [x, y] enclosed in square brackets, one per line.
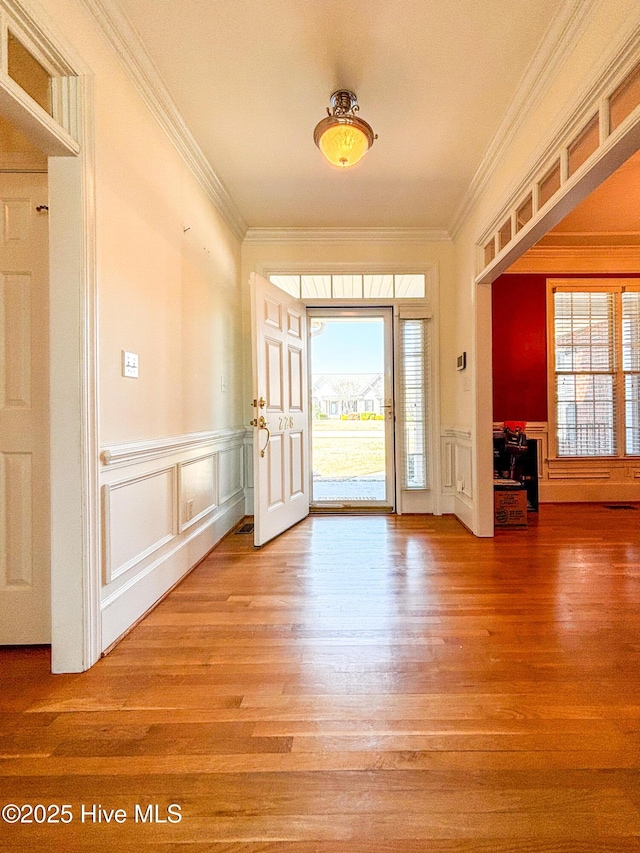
[168, 288]
[607, 27]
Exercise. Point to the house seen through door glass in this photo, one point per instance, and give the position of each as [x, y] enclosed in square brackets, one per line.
[351, 408]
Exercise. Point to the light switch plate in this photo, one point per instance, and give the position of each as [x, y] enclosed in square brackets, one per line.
[130, 364]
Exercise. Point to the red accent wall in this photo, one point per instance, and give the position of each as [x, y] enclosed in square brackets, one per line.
[520, 344]
[519, 348]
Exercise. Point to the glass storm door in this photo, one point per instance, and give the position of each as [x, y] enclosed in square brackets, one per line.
[352, 420]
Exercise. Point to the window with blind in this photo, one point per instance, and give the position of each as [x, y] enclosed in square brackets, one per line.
[414, 389]
[596, 359]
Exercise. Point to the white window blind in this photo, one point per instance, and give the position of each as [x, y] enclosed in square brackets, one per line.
[584, 337]
[631, 369]
[414, 383]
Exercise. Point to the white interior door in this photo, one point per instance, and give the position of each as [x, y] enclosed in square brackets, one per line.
[24, 411]
[280, 419]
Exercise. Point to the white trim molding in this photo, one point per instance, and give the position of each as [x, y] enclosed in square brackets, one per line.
[75, 523]
[459, 434]
[148, 82]
[131, 452]
[586, 260]
[429, 269]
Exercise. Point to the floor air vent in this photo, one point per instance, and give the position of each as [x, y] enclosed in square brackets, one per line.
[246, 528]
[619, 506]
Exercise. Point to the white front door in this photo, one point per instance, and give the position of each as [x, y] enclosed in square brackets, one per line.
[24, 411]
[280, 414]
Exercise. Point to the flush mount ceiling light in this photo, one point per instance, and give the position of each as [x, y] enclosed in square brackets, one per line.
[342, 137]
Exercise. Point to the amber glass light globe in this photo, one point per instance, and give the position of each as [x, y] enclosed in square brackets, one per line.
[342, 137]
[343, 144]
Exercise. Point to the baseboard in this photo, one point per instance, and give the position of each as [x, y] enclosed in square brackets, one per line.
[447, 504]
[580, 492]
[464, 512]
[131, 602]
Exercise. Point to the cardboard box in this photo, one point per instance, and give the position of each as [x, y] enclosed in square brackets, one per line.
[510, 507]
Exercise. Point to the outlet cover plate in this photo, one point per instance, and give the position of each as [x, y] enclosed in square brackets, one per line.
[130, 364]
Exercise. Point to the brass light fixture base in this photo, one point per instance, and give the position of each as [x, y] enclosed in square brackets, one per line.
[343, 137]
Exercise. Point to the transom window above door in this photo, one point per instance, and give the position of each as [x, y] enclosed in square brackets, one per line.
[358, 286]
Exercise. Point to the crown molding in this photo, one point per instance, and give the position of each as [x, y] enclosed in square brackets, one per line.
[347, 235]
[560, 39]
[559, 260]
[145, 77]
[583, 251]
[567, 239]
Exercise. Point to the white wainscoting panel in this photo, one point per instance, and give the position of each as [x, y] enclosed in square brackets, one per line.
[198, 489]
[457, 473]
[448, 465]
[231, 472]
[140, 517]
[166, 505]
[248, 471]
[462, 464]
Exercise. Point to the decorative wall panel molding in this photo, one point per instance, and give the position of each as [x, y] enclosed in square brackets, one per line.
[132, 452]
[462, 456]
[166, 503]
[124, 604]
[139, 518]
[231, 473]
[457, 468]
[448, 464]
[198, 482]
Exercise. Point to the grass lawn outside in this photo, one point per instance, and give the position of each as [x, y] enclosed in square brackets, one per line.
[347, 426]
[347, 448]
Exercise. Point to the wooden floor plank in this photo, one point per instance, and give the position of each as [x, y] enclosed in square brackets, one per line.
[387, 684]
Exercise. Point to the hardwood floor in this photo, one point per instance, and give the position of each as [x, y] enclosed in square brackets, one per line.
[360, 685]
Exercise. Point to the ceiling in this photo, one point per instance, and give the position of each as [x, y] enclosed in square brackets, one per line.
[434, 78]
[609, 216]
